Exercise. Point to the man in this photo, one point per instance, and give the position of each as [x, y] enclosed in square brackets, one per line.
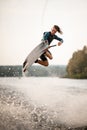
[49, 37]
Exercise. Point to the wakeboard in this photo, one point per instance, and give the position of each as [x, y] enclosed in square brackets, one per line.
[34, 55]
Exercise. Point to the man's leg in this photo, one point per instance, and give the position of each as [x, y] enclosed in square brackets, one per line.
[49, 55]
[43, 60]
[44, 63]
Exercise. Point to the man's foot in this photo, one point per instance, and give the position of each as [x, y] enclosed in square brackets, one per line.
[36, 61]
[24, 70]
[24, 63]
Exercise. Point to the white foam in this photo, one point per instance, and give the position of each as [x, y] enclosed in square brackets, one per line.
[66, 99]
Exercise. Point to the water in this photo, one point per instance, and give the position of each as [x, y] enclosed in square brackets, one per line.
[42, 103]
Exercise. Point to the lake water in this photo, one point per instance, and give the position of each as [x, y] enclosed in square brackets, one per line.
[43, 103]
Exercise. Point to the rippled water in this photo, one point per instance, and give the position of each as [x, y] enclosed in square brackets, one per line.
[42, 103]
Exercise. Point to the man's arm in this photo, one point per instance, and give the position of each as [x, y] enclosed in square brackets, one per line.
[59, 39]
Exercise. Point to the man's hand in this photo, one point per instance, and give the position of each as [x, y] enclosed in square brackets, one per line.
[59, 43]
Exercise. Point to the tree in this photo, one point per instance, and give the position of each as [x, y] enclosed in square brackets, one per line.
[77, 66]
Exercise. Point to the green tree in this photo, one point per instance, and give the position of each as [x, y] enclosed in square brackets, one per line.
[77, 66]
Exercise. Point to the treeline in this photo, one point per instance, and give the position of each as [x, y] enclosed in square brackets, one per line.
[77, 66]
[16, 71]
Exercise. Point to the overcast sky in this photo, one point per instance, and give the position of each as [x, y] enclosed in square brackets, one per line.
[22, 23]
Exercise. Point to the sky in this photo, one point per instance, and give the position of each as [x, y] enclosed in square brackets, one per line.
[22, 23]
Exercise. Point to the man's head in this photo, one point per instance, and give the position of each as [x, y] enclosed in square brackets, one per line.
[55, 29]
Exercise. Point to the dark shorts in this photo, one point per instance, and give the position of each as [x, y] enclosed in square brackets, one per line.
[43, 57]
